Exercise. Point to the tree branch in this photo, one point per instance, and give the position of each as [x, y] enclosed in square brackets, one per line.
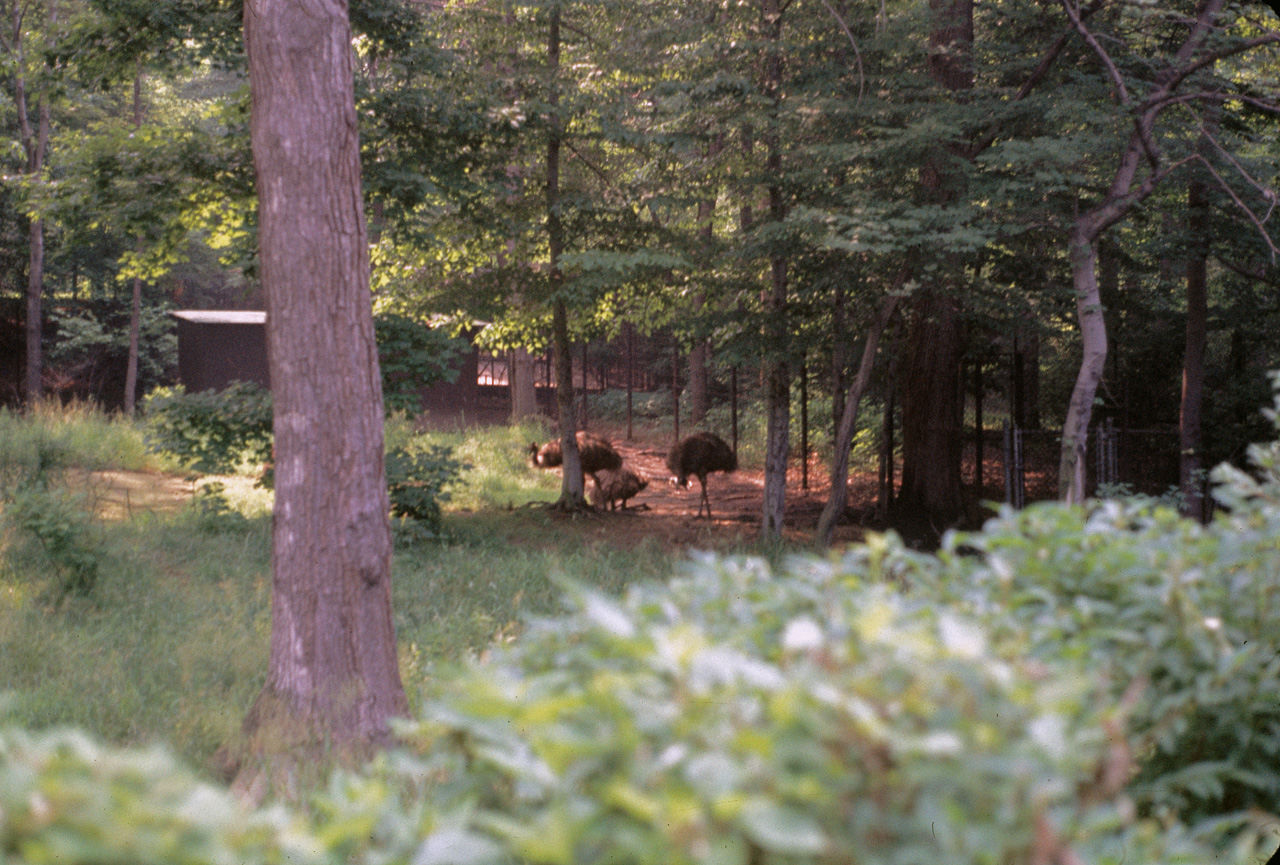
[1253, 217]
[862, 79]
[1092, 41]
[1033, 80]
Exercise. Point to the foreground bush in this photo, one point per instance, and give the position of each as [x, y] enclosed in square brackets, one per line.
[742, 716]
[66, 799]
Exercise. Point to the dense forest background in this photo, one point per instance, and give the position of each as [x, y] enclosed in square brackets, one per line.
[1063, 207]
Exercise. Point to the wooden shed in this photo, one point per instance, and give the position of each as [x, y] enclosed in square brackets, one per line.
[217, 347]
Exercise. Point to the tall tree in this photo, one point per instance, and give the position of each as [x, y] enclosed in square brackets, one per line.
[35, 145]
[333, 675]
[777, 365]
[931, 409]
[1140, 168]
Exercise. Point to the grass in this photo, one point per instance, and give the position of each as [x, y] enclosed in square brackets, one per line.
[89, 438]
[172, 643]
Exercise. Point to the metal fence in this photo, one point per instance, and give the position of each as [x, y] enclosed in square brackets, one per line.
[1117, 459]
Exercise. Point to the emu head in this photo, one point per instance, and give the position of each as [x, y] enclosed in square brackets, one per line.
[681, 481]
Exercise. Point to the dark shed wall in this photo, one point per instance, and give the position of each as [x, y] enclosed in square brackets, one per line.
[211, 355]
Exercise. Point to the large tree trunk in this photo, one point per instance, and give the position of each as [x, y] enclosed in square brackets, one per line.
[524, 393]
[35, 311]
[1093, 333]
[839, 361]
[778, 409]
[1191, 467]
[838, 498]
[932, 437]
[333, 678]
[930, 500]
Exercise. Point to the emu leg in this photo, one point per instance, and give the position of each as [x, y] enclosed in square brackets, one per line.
[705, 501]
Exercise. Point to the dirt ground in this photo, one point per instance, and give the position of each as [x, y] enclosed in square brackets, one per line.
[667, 513]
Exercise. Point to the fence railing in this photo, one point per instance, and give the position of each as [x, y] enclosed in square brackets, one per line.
[1142, 460]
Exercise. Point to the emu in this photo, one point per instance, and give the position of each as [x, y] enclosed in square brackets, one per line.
[596, 454]
[699, 455]
[614, 486]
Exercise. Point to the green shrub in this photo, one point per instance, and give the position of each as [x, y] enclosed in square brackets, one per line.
[740, 716]
[39, 506]
[212, 431]
[1178, 620]
[418, 481]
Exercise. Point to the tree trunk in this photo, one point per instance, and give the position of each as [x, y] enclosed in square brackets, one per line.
[524, 394]
[135, 309]
[35, 145]
[700, 355]
[571, 485]
[1030, 373]
[135, 330]
[839, 495]
[839, 362]
[35, 311]
[776, 368]
[333, 678]
[1190, 468]
[930, 500]
[1093, 332]
[932, 438]
[697, 387]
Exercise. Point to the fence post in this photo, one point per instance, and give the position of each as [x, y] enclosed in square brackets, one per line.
[1008, 464]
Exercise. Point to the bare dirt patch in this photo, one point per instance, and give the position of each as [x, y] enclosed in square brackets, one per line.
[667, 514]
[122, 495]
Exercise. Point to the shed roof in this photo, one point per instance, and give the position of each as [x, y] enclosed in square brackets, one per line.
[221, 316]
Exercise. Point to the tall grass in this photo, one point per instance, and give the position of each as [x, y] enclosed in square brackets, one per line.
[498, 474]
[87, 437]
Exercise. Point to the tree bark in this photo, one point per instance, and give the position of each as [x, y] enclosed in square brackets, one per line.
[929, 499]
[135, 309]
[333, 678]
[35, 144]
[1093, 334]
[572, 495]
[838, 498]
[1190, 467]
[839, 361]
[700, 355]
[524, 393]
[932, 438]
[776, 368]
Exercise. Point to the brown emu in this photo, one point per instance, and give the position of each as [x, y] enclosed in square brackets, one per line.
[596, 453]
[614, 486]
[699, 455]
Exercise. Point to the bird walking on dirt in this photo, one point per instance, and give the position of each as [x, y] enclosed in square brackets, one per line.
[595, 453]
[614, 486]
[699, 455]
